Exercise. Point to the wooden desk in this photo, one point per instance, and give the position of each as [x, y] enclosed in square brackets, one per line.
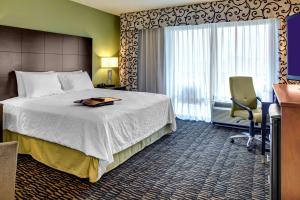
[288, 97]
[1, 122]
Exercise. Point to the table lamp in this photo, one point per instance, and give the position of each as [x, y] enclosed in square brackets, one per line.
[109, 62]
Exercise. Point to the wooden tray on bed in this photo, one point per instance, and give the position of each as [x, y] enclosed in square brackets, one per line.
[98, 101]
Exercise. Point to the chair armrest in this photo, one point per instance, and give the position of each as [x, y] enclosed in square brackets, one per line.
[259, 99]
[244, 107]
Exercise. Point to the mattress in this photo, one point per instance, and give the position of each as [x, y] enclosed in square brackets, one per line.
[97, 132]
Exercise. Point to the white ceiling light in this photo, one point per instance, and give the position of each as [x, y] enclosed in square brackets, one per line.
[123, 6]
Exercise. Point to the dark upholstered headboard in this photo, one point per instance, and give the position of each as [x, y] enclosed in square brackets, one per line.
[30, 50]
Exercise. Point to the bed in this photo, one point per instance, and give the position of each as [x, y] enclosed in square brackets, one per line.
[81, 140]
[86, 142]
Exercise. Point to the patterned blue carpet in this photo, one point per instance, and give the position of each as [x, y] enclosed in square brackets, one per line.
[196, 162]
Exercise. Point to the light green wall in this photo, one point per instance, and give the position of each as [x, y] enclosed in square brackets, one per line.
[64, 16]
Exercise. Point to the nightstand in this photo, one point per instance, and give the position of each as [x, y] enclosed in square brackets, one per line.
[112, 87]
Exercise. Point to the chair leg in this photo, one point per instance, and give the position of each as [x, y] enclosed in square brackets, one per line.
[251, 137]
[251, 143]
[251, 129]
[242, 135]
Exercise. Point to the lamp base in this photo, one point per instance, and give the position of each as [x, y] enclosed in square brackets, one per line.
[109, 77]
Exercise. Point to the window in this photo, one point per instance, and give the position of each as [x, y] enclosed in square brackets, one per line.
[200, 59]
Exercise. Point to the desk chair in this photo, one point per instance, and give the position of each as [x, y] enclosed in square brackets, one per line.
[244, 106]
[8, 166]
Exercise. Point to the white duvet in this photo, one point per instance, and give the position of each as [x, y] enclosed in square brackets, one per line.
[99, 132]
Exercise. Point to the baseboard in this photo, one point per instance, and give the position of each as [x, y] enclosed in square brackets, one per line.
[236, 126]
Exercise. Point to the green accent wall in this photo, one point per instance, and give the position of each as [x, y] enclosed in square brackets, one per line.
[64, 16]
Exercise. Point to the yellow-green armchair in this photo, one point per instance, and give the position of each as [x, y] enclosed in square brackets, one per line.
[244, 106]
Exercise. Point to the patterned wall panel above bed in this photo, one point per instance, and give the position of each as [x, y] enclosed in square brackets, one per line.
[30, 50]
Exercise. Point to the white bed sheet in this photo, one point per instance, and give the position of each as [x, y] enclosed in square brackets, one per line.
[99, 132]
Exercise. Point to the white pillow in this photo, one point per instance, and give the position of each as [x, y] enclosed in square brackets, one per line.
[38, 85]
[20, 84]
[62, 76]
[67, 73]
[75, 81]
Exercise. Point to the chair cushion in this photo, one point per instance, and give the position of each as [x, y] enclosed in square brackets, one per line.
[242, 90]
[257, 114]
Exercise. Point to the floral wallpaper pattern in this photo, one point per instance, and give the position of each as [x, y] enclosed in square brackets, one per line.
[210, 12]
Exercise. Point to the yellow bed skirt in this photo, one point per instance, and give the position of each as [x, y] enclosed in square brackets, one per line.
[73, 161]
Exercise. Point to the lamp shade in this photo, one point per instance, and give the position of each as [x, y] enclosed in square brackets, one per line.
[109, 62]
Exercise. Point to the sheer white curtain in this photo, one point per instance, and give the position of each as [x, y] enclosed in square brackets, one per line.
[187, 62]
[199, 60]
[245, 49]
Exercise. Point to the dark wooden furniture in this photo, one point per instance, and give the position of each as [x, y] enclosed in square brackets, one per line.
[287, 138]
[120, 88]
[30, 50]
[275, 125]
[265, 109]
[1, 122]
[103, 85]
[112, 87]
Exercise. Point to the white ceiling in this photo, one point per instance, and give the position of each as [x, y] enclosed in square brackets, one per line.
[123, 6]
